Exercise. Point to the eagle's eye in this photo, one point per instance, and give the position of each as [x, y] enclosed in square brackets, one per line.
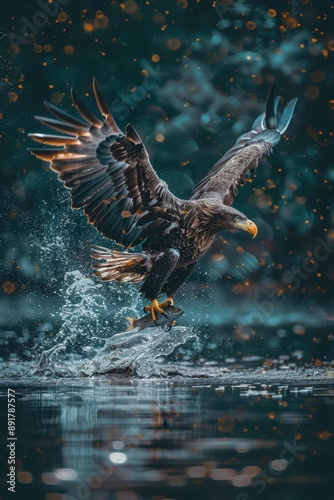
[237, 218]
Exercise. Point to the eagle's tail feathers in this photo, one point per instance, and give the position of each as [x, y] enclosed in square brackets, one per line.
[119, 266]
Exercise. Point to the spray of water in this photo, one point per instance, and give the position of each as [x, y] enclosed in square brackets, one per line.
[92, 314]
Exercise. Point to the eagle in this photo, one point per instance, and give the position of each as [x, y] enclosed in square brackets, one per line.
[109, 175]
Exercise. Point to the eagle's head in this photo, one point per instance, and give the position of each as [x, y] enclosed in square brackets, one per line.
[214, 216]
[233, 219]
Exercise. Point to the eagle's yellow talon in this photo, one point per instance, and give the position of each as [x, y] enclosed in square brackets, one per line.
[168, 302]
[153, 309]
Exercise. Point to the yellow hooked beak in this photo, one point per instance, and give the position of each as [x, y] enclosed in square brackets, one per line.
[248, 226]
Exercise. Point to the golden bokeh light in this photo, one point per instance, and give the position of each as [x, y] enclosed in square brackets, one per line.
[12, 96]
[69, 50]
[8, 287]
[62, 17]
[101, 21]
[88, 26]
[130, 6]
[159, 137]
[251, 25]
[56, 97]
[312, 92]
[174, 44]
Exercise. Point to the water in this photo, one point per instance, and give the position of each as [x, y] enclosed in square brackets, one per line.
[130, 439]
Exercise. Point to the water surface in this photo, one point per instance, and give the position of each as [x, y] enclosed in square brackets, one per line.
[130, 439]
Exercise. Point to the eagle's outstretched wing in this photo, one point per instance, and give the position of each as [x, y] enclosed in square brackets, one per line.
[237, 163]
[108, 173]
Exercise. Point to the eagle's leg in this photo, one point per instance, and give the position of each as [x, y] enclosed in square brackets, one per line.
[175, 280]
[152, 286]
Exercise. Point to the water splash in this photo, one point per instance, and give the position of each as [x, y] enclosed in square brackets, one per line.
[142, 354]
[90, 314]
[85, 333]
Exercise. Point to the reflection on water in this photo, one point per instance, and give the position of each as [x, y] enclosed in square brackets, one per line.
[131, 440]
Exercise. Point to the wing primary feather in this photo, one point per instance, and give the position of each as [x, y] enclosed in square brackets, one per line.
[48, 154]
[287, 115]
[132, 134]
[84, 111]
[276, 103]
[44, 154]
[62, 126]
[54, 140]
[270, 112]
[259, 122]
[62, 115]
[104, 108]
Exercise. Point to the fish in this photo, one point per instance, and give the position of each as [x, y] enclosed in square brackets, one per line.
[168, 317]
